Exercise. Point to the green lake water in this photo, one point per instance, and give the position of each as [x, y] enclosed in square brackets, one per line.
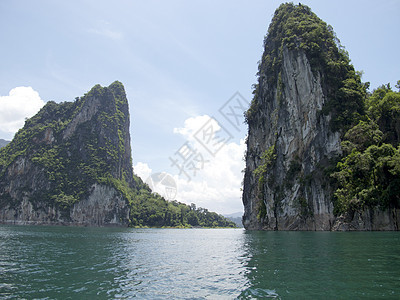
[113, 263]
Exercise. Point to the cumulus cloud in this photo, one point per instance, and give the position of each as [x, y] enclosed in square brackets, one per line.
[142, 170]
[205, 134]
[162, 183]
[192, 125]
[218, 186]
[22, 102]
[217, 183]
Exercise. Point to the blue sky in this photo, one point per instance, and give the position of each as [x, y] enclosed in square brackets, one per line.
[180, 61]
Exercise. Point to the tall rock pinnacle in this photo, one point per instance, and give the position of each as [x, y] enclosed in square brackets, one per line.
[296, 120]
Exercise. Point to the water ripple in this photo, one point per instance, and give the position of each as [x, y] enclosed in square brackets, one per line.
[111, 263]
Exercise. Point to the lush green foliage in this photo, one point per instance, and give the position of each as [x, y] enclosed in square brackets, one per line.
[70, 165]
[384, 108]
[297, 28]
[260, 173]
[369, 173]
[154, 211]
[267, 158]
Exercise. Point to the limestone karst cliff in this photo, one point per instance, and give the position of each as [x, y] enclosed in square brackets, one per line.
[71, 165]
[307, 96]
[65, 164]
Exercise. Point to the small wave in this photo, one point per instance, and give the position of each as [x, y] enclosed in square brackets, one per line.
[258, 293]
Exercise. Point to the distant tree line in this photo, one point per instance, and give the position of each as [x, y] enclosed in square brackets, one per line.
[150, 209]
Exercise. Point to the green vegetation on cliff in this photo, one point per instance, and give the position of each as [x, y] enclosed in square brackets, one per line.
[74, 163]
[267, 159]
[369, 173]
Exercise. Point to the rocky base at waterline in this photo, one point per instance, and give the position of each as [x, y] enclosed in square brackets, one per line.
[104, 207]
[369, 219]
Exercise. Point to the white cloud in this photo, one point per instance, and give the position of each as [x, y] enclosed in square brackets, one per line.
[22, 102]
[217, 185]
[204, 134]
[162, 183]
[192, 125]
[142, 170]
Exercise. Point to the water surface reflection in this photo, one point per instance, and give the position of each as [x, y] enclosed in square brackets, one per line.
[322, 265]
[115, 263]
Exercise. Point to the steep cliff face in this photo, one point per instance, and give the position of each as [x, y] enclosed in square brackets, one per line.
[66, 165]
[307, 96]
[294, 195]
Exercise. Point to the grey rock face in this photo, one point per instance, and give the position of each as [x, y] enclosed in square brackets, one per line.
[103, 207]
[368, 219]
[295, 195]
